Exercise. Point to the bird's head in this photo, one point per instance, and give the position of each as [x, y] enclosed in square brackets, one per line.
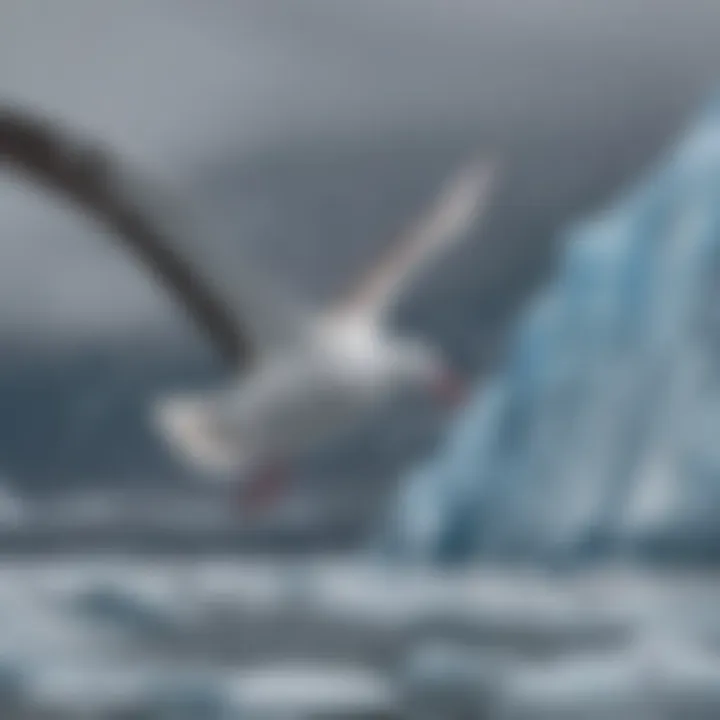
[426, 368]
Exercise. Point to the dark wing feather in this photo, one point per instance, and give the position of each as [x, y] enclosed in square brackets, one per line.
[93, 177]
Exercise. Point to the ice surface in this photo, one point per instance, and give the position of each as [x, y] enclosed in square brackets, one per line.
[329, 638]
[597, 435]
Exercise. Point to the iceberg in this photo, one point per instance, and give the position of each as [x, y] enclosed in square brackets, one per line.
[596, 436]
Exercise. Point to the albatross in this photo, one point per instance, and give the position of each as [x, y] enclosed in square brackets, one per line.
[300, 374]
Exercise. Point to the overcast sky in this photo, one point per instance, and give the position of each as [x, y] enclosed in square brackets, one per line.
[176, 82]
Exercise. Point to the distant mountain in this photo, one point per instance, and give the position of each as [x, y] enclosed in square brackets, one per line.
[598, 433]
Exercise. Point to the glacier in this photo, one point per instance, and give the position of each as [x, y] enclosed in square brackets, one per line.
[598, 434]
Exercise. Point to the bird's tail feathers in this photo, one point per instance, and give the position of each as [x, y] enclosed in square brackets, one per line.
[191, 430]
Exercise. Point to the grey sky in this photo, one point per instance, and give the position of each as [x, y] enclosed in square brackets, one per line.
[174, 82]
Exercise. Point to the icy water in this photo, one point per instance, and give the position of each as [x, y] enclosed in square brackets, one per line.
[114, 637]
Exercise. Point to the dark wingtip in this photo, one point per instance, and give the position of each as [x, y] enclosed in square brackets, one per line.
[90, 175]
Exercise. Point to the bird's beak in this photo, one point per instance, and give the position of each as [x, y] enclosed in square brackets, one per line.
[449, 388]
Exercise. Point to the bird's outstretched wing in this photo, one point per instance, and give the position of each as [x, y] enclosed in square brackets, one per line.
[238, 313]
[459, 205]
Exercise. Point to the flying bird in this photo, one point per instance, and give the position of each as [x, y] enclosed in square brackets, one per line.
[301, 374]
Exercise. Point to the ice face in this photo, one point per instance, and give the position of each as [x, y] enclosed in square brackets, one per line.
[598, 431]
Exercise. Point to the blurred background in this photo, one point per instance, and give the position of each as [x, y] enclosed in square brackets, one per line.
[547, 553]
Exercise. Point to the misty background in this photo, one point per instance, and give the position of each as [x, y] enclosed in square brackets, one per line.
[312, 132]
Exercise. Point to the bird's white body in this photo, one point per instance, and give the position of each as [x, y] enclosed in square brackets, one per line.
[293, 401]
